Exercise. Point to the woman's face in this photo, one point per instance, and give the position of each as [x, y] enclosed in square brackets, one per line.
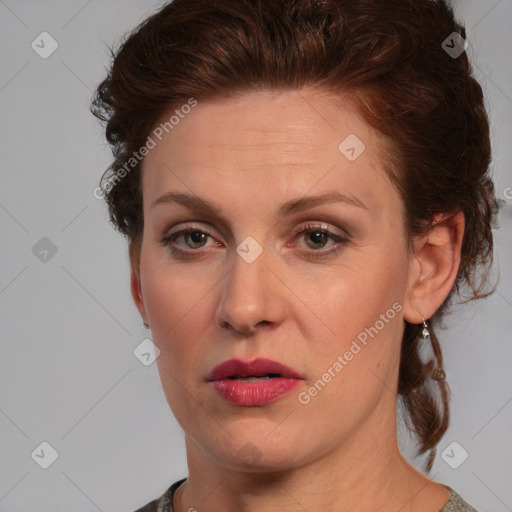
[271, 232]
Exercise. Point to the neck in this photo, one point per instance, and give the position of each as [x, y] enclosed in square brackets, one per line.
[365, 472]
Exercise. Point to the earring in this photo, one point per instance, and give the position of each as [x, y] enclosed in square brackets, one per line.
[425, 334]
[145, 325]
[437, 373]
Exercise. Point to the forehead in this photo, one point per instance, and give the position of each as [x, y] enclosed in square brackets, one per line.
[287, 142]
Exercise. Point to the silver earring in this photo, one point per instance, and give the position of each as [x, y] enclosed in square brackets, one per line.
[437, 373]
[425, 334]
[145, 325]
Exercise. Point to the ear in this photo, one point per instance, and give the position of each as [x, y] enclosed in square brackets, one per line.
[434, 265]
[135, 280]
[136, 290]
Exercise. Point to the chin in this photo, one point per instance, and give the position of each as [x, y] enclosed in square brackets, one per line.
[255, 454]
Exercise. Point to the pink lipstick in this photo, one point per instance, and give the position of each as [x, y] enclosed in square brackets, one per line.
[253, 383]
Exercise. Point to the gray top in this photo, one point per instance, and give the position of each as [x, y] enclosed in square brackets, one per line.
[164, 503]
[456, 503]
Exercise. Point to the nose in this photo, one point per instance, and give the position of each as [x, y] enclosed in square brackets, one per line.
[252, 297]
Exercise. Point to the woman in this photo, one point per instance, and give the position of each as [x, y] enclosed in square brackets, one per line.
[304, 186]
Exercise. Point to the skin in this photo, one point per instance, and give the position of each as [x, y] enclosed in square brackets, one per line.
[248, 155]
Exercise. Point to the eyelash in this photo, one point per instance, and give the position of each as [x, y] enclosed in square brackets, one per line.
[310, 228]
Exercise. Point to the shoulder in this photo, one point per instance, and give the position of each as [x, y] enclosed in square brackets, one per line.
[164, 502]
[456, 503]
[150, 507]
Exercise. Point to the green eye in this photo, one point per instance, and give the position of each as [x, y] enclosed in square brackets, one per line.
[323, 242]
[317, 239]
[186, 240]
[195, 239]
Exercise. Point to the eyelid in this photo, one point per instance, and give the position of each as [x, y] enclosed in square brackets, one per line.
[321, 226]
[188, 227]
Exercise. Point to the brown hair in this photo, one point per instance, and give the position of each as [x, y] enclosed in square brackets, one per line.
[389, 56]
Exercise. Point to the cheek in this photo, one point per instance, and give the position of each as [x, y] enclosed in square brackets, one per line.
[359, 337]
[355, 370]
[173, 294]
[353, 296]
[179, 317]
[180, 312]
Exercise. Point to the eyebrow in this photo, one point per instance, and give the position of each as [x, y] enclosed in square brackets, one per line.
[196, 203]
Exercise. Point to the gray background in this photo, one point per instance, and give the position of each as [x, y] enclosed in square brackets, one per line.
[68, 327]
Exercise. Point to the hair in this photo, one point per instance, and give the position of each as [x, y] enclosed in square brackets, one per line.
[388, 56]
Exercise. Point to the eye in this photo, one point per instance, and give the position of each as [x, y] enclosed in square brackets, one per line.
[194, 239]
[186, 239]
[318, 237]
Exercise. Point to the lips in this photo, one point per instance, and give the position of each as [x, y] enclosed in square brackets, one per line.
[253, 383]
[235, 369]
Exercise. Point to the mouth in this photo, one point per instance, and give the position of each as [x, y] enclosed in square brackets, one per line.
[251, 371]
[254, 378]
[253, 383]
